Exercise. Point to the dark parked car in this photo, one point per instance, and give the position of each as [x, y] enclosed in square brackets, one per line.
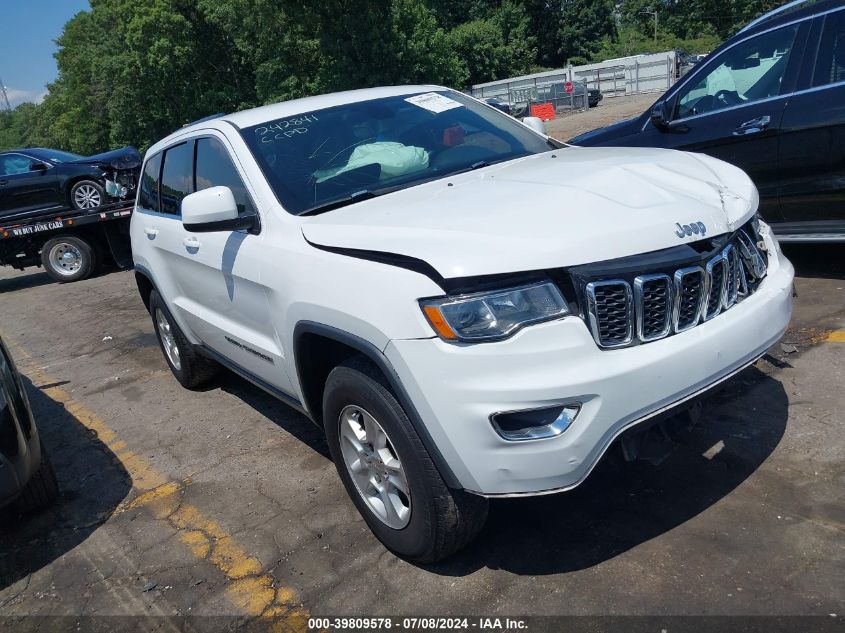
[35, 179]
[557, 93]
[497, 103]
[26, 475]
[769, 100]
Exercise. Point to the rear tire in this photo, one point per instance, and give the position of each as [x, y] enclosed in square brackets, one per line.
[42, 488]
[433, 521]
[68, 258]
[190, 369]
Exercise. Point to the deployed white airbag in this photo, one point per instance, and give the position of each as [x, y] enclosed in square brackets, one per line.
[395, 159]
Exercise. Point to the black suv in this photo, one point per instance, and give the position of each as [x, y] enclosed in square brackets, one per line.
[26, 475]
[770, 100]
[35, 179]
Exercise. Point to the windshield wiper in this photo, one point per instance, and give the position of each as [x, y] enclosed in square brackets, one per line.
[352, 198]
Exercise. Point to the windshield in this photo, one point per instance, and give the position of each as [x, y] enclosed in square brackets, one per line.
[318, 159]
[56, 155]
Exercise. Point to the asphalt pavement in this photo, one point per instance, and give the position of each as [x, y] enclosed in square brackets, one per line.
[224, 503]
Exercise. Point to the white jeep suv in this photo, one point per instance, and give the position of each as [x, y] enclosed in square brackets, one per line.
[468, 308]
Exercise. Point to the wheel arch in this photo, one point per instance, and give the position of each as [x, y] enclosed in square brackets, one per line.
[319, 348]
[145, 284]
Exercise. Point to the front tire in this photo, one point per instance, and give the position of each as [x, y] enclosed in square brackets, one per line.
[189, 368]
[387, 471]
[68, 258]
[87, 194]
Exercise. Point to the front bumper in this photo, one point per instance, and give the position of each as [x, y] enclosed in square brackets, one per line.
[456, 388]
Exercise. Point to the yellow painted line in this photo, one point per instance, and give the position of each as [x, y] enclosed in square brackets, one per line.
[249, 588]
[837, 336]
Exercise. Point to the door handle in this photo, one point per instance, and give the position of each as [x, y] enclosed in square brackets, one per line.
[150, 232]
[192, 244]
[754, 126]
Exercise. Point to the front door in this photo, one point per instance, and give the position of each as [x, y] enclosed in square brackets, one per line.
[221, 298]
[24, 189]
[733, 108]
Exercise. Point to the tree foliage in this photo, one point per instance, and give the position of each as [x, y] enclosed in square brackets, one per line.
[132, 71]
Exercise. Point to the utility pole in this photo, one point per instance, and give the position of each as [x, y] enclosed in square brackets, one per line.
[4, 98]
[654, 13]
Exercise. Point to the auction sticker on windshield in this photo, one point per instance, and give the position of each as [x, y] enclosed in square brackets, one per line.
[433, 102]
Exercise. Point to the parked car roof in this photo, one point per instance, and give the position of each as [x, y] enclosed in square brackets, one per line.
[246, 118]
[788, 13]
[274, 111]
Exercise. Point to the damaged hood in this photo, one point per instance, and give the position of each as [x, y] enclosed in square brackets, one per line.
[563, 208]
[123, 158]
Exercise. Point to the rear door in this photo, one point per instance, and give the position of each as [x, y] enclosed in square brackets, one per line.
[733, 107]
[812, 150]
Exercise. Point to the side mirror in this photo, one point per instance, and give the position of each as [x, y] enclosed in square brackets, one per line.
[535, 124]
[660, 115]
[214, 209]
[38, 167]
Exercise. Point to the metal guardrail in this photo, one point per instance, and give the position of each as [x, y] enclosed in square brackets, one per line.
[632, 75]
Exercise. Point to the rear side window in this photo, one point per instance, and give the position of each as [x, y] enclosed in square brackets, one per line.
[830, 64]
[148, 193]
[177, 177]
[214, 168]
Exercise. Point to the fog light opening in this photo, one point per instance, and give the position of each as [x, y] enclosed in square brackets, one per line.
[535, 424]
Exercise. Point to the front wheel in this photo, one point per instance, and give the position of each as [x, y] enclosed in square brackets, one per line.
[68, 258]
[387, 471]
[87, 194]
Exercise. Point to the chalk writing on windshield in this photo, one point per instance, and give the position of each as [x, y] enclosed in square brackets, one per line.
[285, 128]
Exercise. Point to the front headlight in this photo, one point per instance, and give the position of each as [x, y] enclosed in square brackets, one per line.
[495, 315]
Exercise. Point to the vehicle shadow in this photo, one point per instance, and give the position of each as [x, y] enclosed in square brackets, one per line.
[826, 261]
[622, 505]
[24, 281]
[92, 483]
[275, 410]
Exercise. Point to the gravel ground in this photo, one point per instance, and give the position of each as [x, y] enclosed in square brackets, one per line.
[609, 110]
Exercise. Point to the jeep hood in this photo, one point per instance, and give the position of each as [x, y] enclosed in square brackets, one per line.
[563, 208]
[123, 158]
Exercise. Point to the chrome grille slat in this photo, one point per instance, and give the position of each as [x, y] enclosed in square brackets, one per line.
[689, 297]
[611, 311]
[715, 279]
[659, 305]
[653, 302]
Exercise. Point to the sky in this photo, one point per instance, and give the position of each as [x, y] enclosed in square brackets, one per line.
[28, 30]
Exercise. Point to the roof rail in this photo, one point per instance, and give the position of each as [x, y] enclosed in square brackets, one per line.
[771, 14]
[205, 118]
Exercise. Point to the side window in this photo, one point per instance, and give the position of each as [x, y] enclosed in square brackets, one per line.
[748, 72]
[148, 193]
[830, 64]
[214, 168]
[12, 164]
[177, 177]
